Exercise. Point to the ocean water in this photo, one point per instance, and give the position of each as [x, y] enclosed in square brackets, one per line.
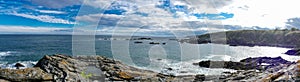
[28, 49]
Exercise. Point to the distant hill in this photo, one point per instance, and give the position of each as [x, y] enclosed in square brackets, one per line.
[279, 38]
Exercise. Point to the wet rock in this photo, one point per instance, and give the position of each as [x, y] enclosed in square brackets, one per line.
[293, 52]
[115, 79]
[199, 77]
[259, 63]
[226, 64]
[154, 43]
[241, 77]
[169, 69]
[18, 65]
[272, 62]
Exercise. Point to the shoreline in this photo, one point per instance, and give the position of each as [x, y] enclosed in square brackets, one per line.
[99, 68]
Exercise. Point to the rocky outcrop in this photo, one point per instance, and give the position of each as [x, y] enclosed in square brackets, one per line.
[226, 64]
[293, 52]
[262, 63]
[259, 63]
[280, 73]
[61, 68]
[64, 68]
[278, 38]
[27, 74]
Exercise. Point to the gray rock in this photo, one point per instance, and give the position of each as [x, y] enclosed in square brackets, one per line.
[200, 77]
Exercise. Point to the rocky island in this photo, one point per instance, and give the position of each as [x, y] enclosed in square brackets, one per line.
[62, 68]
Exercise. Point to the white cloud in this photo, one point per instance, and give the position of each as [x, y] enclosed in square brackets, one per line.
[51, 12]
[263, 13]
[157, 19]
[93, 18]
[45, 18]
[27, 29]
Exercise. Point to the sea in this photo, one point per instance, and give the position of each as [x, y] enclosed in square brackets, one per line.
[166, 53]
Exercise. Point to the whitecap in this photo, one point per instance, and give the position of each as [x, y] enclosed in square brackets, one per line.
[6, 53]
[27, 64]
[170, 67]
[219, 57]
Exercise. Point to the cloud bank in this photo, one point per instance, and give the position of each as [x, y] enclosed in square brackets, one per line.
[153, 17]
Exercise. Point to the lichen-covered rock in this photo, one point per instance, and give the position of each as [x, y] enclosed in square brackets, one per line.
[64, 68]
[27, 74]
[125, 76]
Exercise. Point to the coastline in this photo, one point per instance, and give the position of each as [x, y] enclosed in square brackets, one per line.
[98, 68]
[272, 38]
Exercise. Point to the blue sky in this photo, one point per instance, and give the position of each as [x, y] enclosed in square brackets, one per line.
[152, 17]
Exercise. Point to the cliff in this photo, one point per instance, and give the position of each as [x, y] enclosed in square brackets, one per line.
[278, 38]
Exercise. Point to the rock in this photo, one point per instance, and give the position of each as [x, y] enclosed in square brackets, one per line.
[61, 68]
[27, 74]
[259, 61]
[226, 64]
[125, 76]
[183, 72]
[64, 68]
[164, 75]
[138, 42]
[115, 70]
[169, 68]
[226, 72]
[293, 52]
[241, 77]
[199, 77]
[246, 64]
[154, 43]
[272, 77]
[144, 38]
[18, 65]
[115, 79]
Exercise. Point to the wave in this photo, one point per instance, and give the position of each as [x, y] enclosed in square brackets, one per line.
[219, 57]
[171, 67]
[7, 53]
[27, 64]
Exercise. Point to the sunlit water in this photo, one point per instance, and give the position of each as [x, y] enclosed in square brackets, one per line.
[27, 49]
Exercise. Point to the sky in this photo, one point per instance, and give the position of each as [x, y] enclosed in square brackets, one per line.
[149, 18]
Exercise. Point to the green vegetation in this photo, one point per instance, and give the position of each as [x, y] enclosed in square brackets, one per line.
[86, 75]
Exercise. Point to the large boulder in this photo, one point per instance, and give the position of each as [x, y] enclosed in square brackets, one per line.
[64, 68]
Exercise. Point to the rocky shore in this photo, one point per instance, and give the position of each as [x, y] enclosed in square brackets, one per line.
[62, 68]
[293, 52]
[276, 38]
